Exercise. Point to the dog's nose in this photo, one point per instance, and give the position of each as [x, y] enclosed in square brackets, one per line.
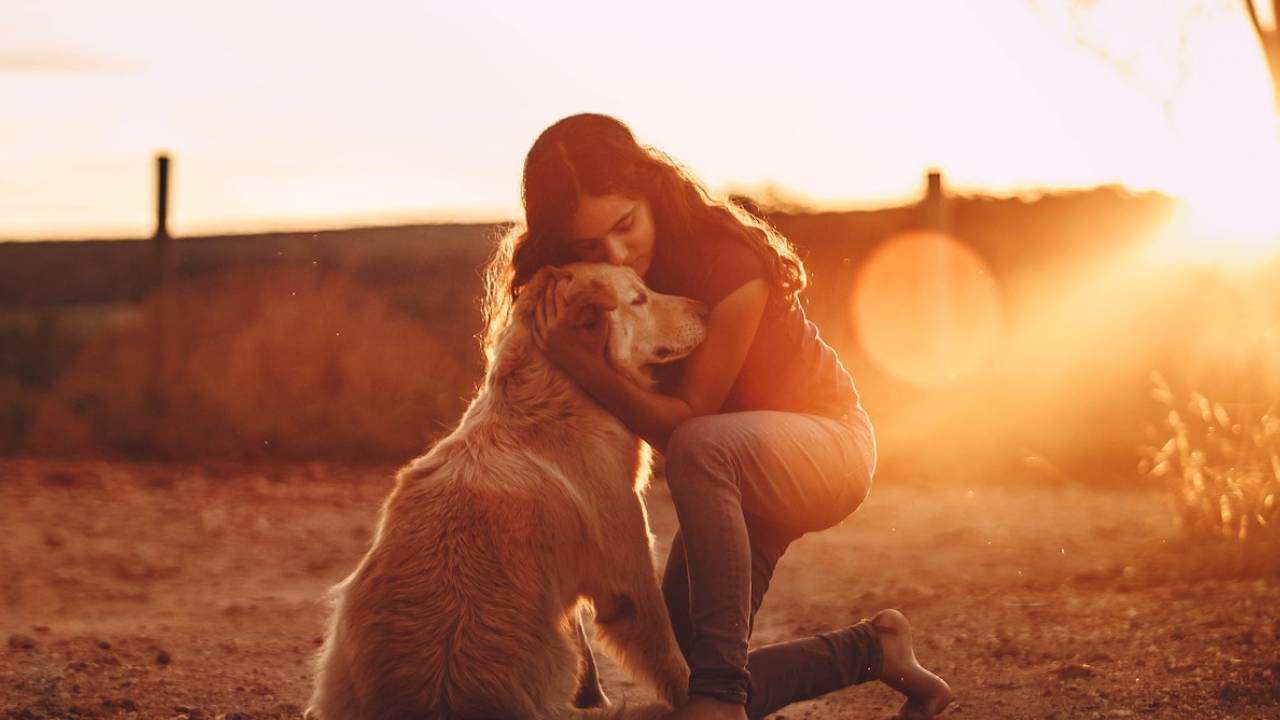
[663, 352]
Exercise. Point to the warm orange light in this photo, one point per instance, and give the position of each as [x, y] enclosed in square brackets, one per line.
[283, 132]
[1224, 156]
[927, 309]
[1216, 227]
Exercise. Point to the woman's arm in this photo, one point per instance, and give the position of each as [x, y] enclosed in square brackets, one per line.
[578, 348]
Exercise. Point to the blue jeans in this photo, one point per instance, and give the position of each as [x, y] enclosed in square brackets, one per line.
[745, 485]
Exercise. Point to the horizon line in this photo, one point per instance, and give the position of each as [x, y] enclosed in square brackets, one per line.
[772, 199]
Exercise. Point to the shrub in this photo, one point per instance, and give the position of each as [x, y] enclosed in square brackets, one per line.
[260, 362]
[1223, 464]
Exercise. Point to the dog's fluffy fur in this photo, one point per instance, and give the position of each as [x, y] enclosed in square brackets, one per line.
[464, 605]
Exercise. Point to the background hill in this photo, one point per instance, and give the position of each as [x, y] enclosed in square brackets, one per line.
[360, 344]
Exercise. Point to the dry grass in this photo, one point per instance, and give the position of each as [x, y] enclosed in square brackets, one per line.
[1223, 464]
[276, 362]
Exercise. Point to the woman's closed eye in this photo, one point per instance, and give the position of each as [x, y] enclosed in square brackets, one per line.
[640, 300]
[585, 249]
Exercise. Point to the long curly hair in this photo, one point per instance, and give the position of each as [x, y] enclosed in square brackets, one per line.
[596, 155]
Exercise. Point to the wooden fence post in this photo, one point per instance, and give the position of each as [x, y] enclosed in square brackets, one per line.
[161, 280]
[934, 210]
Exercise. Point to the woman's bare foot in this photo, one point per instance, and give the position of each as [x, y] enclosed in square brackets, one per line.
[705, 708]
[927, 694]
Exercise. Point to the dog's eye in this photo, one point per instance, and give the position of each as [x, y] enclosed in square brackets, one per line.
[640, 300]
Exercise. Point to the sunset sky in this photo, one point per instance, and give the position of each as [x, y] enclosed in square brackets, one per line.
[311, 115]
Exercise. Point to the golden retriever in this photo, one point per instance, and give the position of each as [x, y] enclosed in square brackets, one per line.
[465, 605]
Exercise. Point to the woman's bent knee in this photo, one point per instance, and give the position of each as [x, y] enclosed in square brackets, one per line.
[694, 434]
[699, 447]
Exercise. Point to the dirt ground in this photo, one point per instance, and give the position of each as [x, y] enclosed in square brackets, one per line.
[163, 591]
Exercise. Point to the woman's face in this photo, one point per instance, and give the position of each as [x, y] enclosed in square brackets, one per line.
[613, 228]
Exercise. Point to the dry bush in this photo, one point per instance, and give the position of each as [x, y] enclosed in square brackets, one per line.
[260, 362]
[1223, 464]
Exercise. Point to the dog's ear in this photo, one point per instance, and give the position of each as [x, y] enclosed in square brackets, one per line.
[538, 290]
[594, 304]
[617, 351]
[590, 304]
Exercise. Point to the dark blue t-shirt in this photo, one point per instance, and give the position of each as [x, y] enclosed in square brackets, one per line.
[788, 366]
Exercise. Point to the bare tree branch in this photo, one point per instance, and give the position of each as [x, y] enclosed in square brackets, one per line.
[1129, 66]
[1270, 40]
[1269, 37]
[1253, 17]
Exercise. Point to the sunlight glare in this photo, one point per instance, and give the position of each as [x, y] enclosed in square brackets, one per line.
[927, 309]
[1226, 167]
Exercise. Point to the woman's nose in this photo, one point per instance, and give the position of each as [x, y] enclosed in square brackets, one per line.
[615, 251]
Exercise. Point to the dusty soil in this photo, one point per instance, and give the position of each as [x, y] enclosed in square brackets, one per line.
[162, 591]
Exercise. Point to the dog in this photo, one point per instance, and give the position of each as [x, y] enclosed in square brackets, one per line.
[466, 603]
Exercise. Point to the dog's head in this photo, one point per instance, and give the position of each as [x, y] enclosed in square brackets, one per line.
[645, 327]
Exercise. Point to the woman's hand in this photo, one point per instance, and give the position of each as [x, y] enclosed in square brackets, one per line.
[573, 333]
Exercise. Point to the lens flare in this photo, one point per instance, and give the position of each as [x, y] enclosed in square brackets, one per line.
[926, 309]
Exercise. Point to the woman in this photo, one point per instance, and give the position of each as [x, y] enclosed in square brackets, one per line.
[763, 433]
